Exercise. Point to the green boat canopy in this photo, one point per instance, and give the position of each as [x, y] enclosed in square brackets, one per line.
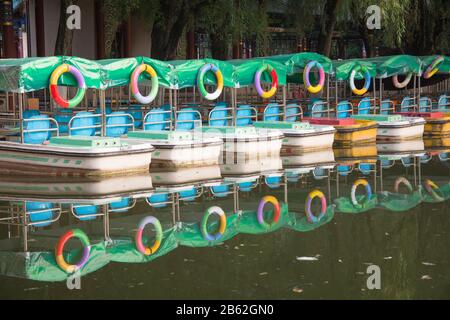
[31, 74]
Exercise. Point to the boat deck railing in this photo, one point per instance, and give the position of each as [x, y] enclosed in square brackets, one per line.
[130, 124]
[86, 116]
[387, 107]
[297, 116]
[167, 123]
[408, 104]
[228, 117]
[196, 122]
[319, 108]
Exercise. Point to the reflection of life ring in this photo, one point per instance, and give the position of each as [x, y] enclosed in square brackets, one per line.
[76, 233]
[135, 84]
[431, 188]
[402, 180]
[222, 226]
[260, 212]
[404, 83]
[433, 68]
[56, 74]
[159, 235]
[367, 77]
[266, 94]
[361, 182]
[315, 194]
[200, 82]
[317, 88]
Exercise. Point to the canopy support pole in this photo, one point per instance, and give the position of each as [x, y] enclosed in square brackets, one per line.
[374, 82]
[419, 92]
[381, 94]
[20, 96]
[233, 105]
[175, 107]
[103, 112]
[284, 103]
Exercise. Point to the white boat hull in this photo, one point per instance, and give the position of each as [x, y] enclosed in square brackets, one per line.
[407, 129]
[50, 160]
[320, 137]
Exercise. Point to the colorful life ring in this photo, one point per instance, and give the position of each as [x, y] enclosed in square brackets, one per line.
[431, 188]
[219, 78]
[76, 233]
[360, 182]
[317, 88]
[367, 77]
[433, 68]
[56, 74]
[266, 94]
[159, 235]
[404, 83]
[312, 218]
[135, 81]
[260, 212]
[402, 180]
[222, 225]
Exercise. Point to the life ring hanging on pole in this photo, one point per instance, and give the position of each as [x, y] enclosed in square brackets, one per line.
[433, 68]
[367, 77]
[135, 84]
[273, 90]
[201, 85]
[56, 74]
[306, 73]
[404, 83]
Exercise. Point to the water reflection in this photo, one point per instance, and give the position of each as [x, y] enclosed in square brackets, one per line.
[35, 213]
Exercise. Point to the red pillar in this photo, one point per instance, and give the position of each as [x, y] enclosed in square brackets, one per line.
[40, 29]
[9, 40]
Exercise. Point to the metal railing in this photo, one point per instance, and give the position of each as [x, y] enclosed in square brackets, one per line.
[253, 116]
[50, 129]
[27, 214]
[120, 125]
[228, 118]
[162, 202]
[349, 110]
[387, 106]
[425, 104]
[196, 122]
[78, 216]
[372, 105]
[315, 109]
[130, 206]
[407, 108]
[442, 104]
[297, 116]
[198, 194]
[280, 113]
[87, 116]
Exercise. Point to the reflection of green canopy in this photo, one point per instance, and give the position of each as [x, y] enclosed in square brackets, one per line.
[345, 204]
[31, 74]
[249, 221]
[41, 266]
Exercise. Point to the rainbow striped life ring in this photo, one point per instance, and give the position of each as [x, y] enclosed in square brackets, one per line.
[266, 94]
[56, 74]
[260, 211]
[135, 81]
[312, 218]
[219, 78]
[159, 235]
[317, 88]
[76, 233]
[360, 182]
[222, 226]
[367, 77]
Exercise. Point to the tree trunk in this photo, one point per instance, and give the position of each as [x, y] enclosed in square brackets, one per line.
[63, 45]
[328, 23]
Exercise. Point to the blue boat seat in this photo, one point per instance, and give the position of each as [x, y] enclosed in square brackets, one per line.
[246, 186]
[444, 156]
[366, 168]
[121, 205]
[44, 217]
[425, 158]
[292, 177]
[37, 137]
[443, 103]
[85, 212]
[292, 112]
[424, 105]
[221, 191]
[385, 107]
[273, 182]
[407, 104]
[186, 120]
[155, 120]
[136, 112]
[244, 116]
[188, 195]
[271, 112]
[63, 117]
[319, 173]
[218, 116]
[386, 164]
[159, 200]
[343, 110]
[315, 110]
[407, 162]
[87, 120]
[344, 170]
[120, 118]
[364, 106]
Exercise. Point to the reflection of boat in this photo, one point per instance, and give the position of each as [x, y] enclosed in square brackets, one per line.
[67, 190]
[183, 176]
[296, 158]
[362, 152]
[411, 148]
[236, 165]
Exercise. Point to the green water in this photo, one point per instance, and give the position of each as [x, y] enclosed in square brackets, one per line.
[329, 262]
